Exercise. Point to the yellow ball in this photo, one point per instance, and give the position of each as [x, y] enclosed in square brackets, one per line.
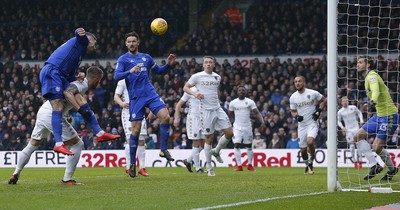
[159, 26]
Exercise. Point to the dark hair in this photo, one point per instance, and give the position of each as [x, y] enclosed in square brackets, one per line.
[94, 72]
[367, 60]
[302, 77]
[132, 34]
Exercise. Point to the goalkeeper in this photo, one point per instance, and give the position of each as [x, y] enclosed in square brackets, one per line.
[384, 123]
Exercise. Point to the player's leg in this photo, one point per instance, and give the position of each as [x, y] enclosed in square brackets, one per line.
[225, 125]
[76, 146]
[207, 152]
[23, 159]
[53, 86]
[312, 132]
[238, 156]
[302, 134]
[247, 142]
[352, 146]
[133, 145]
[158, 107]
[141, 153]
[127, 125]
[90, 119]
[387, 127]
[371, 126]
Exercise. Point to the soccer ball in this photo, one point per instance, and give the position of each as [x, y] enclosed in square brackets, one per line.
[159, 26]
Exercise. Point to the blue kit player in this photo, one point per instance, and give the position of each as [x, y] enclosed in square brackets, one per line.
[61, 69]
[384, 123]
[134, 67]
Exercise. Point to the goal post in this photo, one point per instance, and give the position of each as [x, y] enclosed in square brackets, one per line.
[332, 95]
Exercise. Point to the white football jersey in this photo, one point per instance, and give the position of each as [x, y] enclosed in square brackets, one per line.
[242, 110]
[46, 108]
[305, 104]
[193, 103]
[348, 115]
[208, 85]
[122, 90]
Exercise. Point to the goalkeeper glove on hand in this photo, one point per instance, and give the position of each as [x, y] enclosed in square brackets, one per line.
[85, 113]
[299, 118]
[371, 106]
[316, 114]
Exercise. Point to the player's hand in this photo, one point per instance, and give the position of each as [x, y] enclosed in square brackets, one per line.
[80, 76]
[81, 31]
[176, 122]
[85, 113]
[125, 106]
[371, 106]
[198, 95]
[316, 114]
[299, 118]
[151, 116]
[171, 59]
[135, 69]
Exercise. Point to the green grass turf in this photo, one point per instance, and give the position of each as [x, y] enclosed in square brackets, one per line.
[175, 188]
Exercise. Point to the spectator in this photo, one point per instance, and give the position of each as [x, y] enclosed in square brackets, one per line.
[258, 142]
[293, 142]
[276, 142]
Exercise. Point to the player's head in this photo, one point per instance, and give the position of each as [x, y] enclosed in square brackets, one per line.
[345, 101]
[132, 42]
[208, 63]
[364, 63]
[92, 42]
[241, 92]
[299, 82]
[94, 75]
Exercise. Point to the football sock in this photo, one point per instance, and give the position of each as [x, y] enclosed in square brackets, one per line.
[196, 158]
[141, 153]
[353, 152]
[73, 160]
[250, 155]
[364, 147]
[191, 156]
[164, 136]
[56, 123]
[91, 121]
[127, 156]
[207, 153]
[133, 144]
[386, 159]
[223, 141]
[24, 157]
[238, 157]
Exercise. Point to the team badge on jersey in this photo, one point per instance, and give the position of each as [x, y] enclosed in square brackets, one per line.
[216, 78]
[144, 59]
[373, 79]
[58, 89]
[133, 115]
[308, 96]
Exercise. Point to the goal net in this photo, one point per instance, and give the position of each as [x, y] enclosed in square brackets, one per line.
[371, 28]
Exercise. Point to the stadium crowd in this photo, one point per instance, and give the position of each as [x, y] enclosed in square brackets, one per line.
[33, 34]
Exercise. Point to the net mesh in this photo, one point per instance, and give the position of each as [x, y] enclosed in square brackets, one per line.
[367, 28]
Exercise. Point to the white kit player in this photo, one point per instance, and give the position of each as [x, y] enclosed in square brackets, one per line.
[193, 128]
[306, 106]
[213, 117]
[121, 97]
[70, 137]
[242, 107]
[348, 114]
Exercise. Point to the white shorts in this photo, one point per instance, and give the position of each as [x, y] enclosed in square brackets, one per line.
[127, 125]
[212, 120]
[43, 128]
[310, 130]
[193, 128]
[242, 135]
[350, 134]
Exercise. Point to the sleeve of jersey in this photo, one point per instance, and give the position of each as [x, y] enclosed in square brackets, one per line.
[185, 97]
[292, 105]
[192, 80]
[119, 71]
[253, 105]
[339, 120]
[373, 84]
[318, 95]
[82, 40]
[119, 88]
[360, 115]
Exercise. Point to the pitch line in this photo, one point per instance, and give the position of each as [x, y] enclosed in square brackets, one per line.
[260, 200]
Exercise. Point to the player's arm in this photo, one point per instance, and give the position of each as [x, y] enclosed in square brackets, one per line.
[258, 116]
[120, 72]
[161, 69]
[177, 115]
[70, 93]
[373, 84]
[80, 34]
[120, 102]
[360, 115]
[189, 91]
[339, 120]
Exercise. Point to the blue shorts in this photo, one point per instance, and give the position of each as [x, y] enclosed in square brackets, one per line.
[137, 106]
[383, 127]
[53, 83]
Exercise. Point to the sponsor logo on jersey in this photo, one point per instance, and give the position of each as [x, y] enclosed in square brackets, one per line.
[58, 89]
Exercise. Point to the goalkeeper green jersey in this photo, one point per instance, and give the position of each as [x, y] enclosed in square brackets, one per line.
[379, 93]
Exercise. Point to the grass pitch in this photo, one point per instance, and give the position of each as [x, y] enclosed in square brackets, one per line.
[175, 188]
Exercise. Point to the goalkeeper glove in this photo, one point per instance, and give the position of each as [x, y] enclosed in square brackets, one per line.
[299, 118]
[85, 113]
[316, 114]
[371, 106]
